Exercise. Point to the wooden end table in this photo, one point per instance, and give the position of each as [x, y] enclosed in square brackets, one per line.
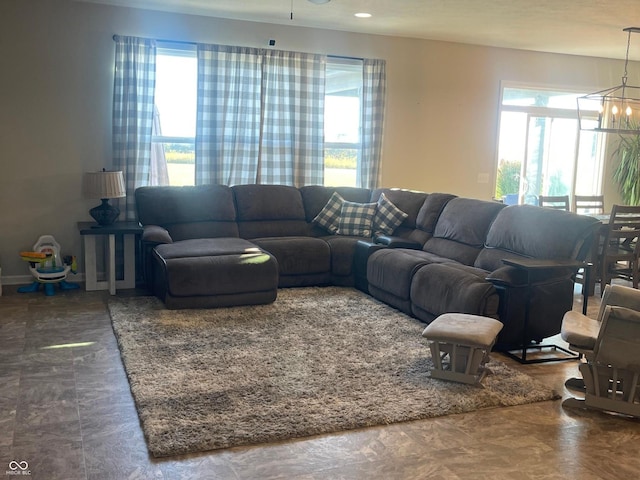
[129, 232]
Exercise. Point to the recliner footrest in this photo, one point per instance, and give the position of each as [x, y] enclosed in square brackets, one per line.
[214, 272]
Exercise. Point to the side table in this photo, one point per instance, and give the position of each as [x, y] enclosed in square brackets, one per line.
[529, 265]
[129, 232]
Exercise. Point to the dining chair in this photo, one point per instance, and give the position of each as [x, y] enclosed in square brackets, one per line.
[620, 248]
[588, 204]
[559, 202]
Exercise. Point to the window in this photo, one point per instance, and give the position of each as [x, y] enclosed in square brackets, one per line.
[174, 126]
[541, 149]
[343, 91]
[173, 142]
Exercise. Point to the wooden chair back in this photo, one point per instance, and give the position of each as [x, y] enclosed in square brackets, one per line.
[588, 204]
[621, 248]
[559, 202]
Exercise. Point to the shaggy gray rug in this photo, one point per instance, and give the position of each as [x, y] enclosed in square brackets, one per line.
[317, 360]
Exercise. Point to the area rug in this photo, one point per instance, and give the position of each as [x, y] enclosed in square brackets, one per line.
[318, 360]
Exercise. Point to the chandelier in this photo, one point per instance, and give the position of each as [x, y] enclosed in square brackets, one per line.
[616, 109]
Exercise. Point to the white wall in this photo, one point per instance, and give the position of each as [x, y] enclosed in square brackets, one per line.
[56, 84]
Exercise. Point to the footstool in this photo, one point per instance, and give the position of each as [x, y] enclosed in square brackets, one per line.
[467, 340]
[214, 272]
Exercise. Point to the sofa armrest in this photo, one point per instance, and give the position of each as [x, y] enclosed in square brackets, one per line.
[508, 277]
[156, 234]
[364, 249]
[536, 274]
[398, 242]
[152, 236]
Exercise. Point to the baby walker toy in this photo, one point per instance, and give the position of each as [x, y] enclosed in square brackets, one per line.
[47, 267]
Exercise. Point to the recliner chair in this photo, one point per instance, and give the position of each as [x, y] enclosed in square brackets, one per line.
[611, 346]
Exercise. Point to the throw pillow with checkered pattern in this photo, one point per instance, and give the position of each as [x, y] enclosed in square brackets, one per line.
[357, 219]
[329, 216]
[388, 217]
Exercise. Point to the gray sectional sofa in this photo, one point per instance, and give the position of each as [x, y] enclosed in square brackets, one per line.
[213, 245]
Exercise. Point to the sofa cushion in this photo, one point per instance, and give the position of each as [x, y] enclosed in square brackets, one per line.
[329, 216]
[388, 217]
[356, 219]
[428, 215]
[169, 205]
[298, 255]
[269, 211]
[462, 228]
[190, 211]
[439, 288]
[342, 252]
[392, 269]
[534, 232]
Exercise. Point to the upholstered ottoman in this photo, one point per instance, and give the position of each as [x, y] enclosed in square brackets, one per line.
[214, 272]
[466, 340]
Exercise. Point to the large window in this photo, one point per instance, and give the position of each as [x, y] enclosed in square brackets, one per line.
[173, 147]
[541, 149]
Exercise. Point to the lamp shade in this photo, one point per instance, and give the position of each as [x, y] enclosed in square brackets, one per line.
[104, 185]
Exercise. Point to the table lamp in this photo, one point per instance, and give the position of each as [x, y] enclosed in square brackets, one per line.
[104, 185]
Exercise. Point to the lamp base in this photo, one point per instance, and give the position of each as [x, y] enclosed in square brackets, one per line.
[105, 213]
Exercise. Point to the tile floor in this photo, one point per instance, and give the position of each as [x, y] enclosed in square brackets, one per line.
[69, 414]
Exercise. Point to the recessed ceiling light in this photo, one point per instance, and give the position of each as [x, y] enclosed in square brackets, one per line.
[362, 15]
[319, 2]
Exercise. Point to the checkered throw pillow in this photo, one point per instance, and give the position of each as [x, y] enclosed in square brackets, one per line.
[388, 217]
[329, 216]
[357, 219]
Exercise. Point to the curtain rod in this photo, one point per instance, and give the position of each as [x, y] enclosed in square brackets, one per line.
[186, 42]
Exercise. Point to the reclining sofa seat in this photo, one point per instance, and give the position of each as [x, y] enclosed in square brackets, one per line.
[444, 277]
[183, 266]
[173, 214]
[450, 230]
[273, 217]
[526, 231]
[314, 198]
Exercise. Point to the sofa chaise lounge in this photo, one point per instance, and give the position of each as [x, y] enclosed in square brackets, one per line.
[214, 245]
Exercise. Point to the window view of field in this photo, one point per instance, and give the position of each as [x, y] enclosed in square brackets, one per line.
[180, 159]
[339, 165]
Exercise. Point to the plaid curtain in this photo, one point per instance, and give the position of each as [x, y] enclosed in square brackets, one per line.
[292, 143]
[133, 100]
[373, 99]
[228, 115]
[260, 116]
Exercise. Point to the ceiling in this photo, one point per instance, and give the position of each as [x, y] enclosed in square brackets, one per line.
[579, 27]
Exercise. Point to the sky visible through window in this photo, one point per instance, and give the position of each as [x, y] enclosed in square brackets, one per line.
[342, 119]
[176, 94]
